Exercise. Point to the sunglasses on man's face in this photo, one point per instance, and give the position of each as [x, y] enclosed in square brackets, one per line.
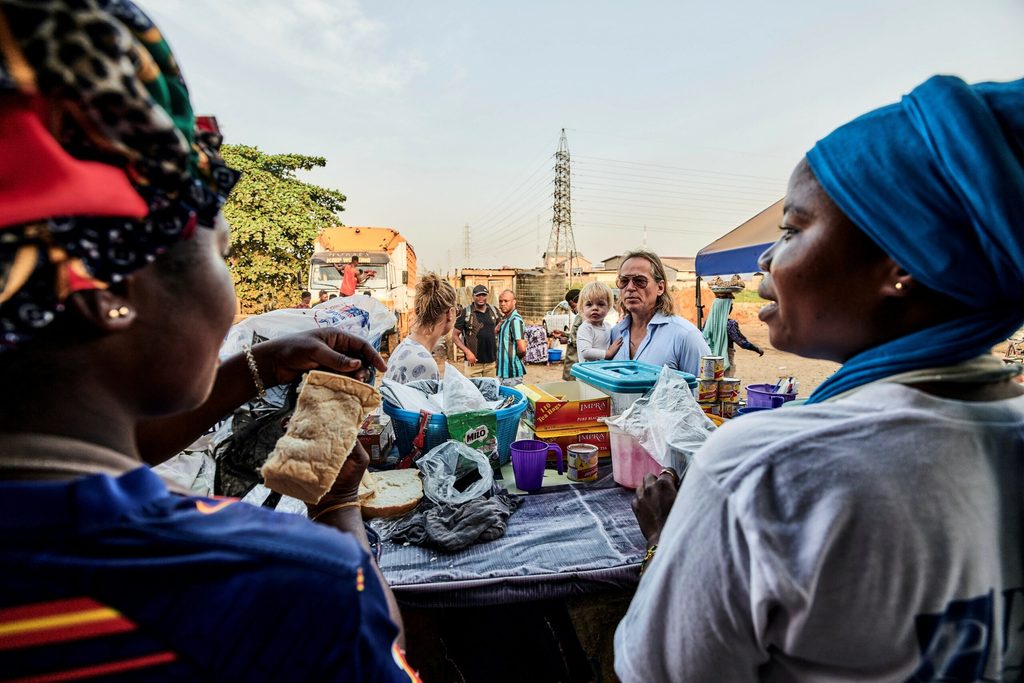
[641, 281]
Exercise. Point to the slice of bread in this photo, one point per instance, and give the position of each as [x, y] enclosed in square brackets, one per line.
[321, 433]
[398, 492]
[367, 487]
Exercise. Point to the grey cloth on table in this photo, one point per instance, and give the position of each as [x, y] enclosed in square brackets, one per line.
[454, 527]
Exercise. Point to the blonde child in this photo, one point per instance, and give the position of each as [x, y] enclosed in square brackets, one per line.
[593, 341]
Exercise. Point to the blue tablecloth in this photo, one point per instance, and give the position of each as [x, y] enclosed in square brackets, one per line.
[563, 541]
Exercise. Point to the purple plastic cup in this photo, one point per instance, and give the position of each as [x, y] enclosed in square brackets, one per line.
[529, 457]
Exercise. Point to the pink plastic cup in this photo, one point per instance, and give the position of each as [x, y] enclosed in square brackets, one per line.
[529, 457]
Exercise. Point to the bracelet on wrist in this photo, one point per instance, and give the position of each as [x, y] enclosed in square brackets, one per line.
[332, 508]
[254, 372]
[648, 556]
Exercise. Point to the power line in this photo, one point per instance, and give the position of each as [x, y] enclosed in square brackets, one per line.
[494, 207]
[615, 189]
[694, 185]
[592, 201]
[526, 196]
[695, 171]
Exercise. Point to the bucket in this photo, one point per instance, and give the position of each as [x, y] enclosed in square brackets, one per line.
[529, 457]
[554, 355]
[762, 396]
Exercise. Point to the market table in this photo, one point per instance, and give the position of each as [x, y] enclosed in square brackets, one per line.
[571, 553]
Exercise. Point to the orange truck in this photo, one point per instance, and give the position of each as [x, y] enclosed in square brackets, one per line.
[382, 251]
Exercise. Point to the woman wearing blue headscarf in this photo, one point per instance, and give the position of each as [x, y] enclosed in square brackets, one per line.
[874, 533]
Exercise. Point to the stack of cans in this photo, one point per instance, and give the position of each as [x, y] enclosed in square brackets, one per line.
[716, 393]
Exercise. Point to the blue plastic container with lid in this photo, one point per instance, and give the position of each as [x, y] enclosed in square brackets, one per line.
[624, 380]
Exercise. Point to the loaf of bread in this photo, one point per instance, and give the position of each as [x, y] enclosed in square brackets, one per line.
[320, 435]
[398, 492]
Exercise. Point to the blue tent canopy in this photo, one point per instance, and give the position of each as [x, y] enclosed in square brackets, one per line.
[737, 251]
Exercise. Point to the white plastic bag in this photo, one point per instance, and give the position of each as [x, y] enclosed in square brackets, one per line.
[408, 398]
[446, 464]
[459, 395]
[361, 315]
[667, 422]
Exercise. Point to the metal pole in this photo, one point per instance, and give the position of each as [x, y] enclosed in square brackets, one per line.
[700, 309]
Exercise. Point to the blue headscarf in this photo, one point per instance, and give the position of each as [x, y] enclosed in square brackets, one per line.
[937, 181]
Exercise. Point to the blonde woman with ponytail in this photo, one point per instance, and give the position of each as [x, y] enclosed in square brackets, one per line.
[435, 308]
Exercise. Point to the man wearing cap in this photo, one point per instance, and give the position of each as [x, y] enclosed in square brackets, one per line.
[475, 335]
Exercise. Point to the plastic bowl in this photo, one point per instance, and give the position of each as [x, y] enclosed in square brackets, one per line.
[760, 396]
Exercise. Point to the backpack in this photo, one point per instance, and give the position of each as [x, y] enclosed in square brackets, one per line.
[467, 313]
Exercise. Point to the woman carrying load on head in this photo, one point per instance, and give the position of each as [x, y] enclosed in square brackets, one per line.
[114, 301]
[721, 332]
[436, 306]
[875, 532]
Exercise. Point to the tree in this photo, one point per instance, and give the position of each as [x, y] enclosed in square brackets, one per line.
[275, 219]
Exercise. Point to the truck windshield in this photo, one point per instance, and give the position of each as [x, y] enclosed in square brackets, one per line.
[325, 275]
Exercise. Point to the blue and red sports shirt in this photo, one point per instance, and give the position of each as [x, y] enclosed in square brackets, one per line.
[117, 578]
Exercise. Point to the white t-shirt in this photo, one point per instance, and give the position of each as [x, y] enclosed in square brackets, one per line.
[411, 361]
[876, 538]
[592, 341]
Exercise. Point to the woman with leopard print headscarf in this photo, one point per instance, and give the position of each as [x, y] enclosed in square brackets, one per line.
[114, 299]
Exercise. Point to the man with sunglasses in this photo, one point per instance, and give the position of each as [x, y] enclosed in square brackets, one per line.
[649, 330]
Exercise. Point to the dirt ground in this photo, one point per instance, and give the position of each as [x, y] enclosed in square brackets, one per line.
[753, 369]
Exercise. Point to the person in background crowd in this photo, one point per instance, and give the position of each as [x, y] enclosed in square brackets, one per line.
[594, 335]
[352, 277]
[114, 353]
[649, 331]
[511, 341]
[875, 532]
[332, 296]
[436, 305]
[306, 299]
[572, 298]
[323, 296]
[475, 335]
[723, 334]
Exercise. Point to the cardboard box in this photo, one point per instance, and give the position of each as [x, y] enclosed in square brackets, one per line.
[562, 405]
[595, 436]
[377, 435]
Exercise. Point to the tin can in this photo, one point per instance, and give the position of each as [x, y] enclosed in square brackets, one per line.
[729, 390]
[707, 390]
[582, 462]
[711, 407]
[729, 410]
[712, 367]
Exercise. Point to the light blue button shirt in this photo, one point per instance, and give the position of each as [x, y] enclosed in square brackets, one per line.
[670, 340]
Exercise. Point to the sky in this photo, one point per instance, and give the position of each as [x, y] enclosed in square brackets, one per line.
[682, 118]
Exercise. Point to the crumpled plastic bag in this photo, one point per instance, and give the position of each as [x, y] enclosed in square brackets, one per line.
[458, 394]
[667, 422]
[455, 473]
[488, 386]
[407, 397]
